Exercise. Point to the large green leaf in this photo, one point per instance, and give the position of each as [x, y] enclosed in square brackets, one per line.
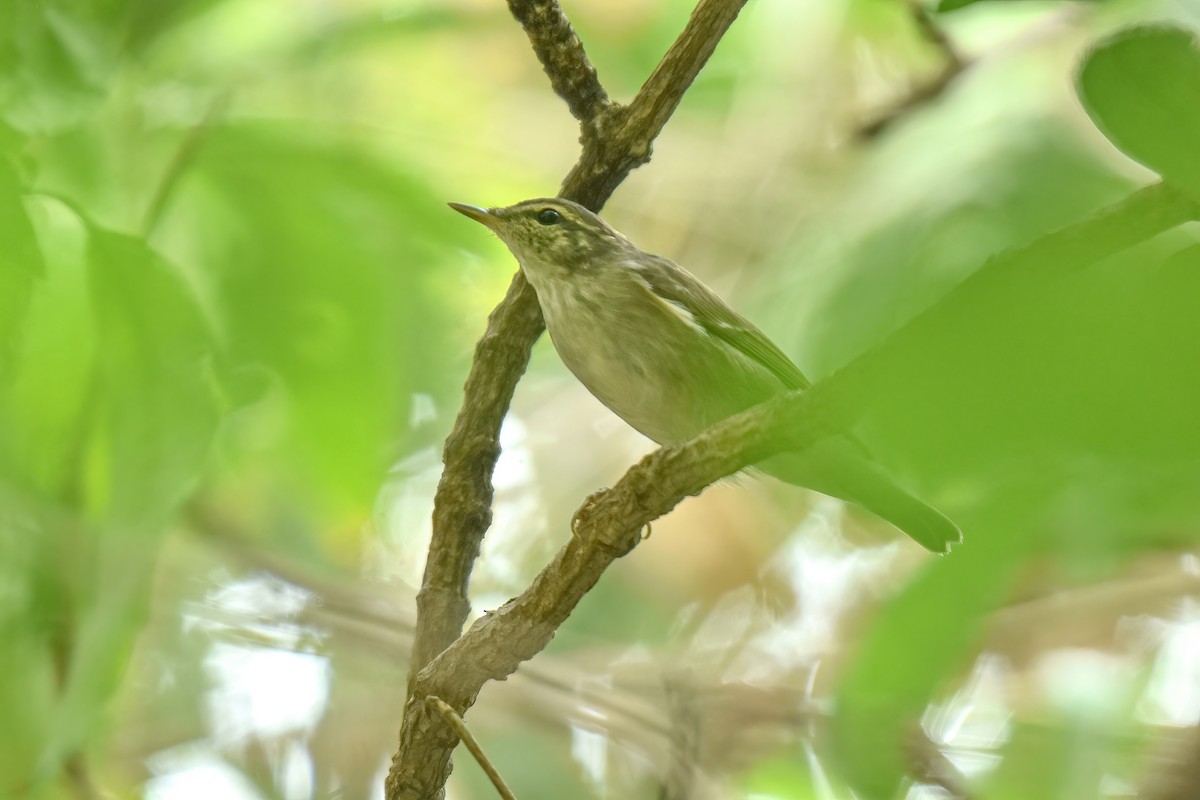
[1142, 89]
[322, 262]
[20, 260]
[156, 397]
[54, 65]
[915, 647]
[109, 405]
[107, 414]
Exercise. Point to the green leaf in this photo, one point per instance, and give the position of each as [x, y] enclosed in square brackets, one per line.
[156, 406]
[321, 260]
[45, 377]
[107, 414]
[944, 6]
[20, 261]
[28, 609]
[1142, 89]
[916, 645]
[109, 402]
[55, 65]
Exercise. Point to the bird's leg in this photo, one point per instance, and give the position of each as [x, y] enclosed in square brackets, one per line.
[589, 504]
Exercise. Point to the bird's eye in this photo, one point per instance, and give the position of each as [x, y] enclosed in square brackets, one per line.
[548, 216]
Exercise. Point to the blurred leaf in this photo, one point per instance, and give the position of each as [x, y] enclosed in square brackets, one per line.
[953, 5]
[323, 261]
[54, 64]
[28, 607]
[1084, 381]
[144, 21]
[915, 647]
[371, 29]
[787, 779]
[1142, 89]
[45, 382]
[156, 405]
[107, 415]
[936, 229]
[113, 383]
[1063, 759]
[1087, 385]
[20, 261]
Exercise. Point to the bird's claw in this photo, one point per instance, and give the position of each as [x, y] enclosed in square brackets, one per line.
[589, 505]
[585, 510]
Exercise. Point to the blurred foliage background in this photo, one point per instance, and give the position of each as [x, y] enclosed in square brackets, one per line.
[235, 315]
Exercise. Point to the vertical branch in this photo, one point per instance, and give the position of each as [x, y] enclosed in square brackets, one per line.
[615, 141]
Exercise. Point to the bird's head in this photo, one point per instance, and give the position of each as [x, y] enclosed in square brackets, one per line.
[550, 235]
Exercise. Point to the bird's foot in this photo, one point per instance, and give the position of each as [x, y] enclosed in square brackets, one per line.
[585, 510]
[589, 505]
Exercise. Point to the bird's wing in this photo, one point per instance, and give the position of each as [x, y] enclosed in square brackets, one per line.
[675, 285]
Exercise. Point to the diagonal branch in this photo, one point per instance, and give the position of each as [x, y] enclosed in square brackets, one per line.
[619, 140]
[558, 48]
[659, 96]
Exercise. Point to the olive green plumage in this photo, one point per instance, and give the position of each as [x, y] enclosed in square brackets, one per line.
[671, 358]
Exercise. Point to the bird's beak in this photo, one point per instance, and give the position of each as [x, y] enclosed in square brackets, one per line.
[476, 213]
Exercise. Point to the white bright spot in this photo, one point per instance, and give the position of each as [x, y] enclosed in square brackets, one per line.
[519, 521]
[1173, 693]
[1086, 683]
[194, 775]
[264, 692]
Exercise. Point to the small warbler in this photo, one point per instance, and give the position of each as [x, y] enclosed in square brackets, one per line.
[669, 357]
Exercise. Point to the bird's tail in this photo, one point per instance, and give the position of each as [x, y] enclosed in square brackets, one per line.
[929, 527]
[836, 468]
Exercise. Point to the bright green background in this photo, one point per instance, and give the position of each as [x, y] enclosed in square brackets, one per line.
[235, 315]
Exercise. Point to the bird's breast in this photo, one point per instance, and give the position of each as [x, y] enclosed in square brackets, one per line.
[652, 367]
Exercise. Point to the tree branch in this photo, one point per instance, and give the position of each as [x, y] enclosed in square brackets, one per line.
[468, 739]
[462, 505]
[953, 65]
[463, 501]
[619, 140]
[566, 64]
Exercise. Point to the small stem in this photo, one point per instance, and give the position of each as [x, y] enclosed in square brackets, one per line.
[460, 727]
[179, 164]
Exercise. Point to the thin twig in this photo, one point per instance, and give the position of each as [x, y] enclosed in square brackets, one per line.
[462, 504]
[182, 159]
[929, 765]
[1173, 769]
[685, 737]
[953, 65]
[659, 96]
[464, 733]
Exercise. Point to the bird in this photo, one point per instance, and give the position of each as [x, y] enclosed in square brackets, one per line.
[671, 358]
